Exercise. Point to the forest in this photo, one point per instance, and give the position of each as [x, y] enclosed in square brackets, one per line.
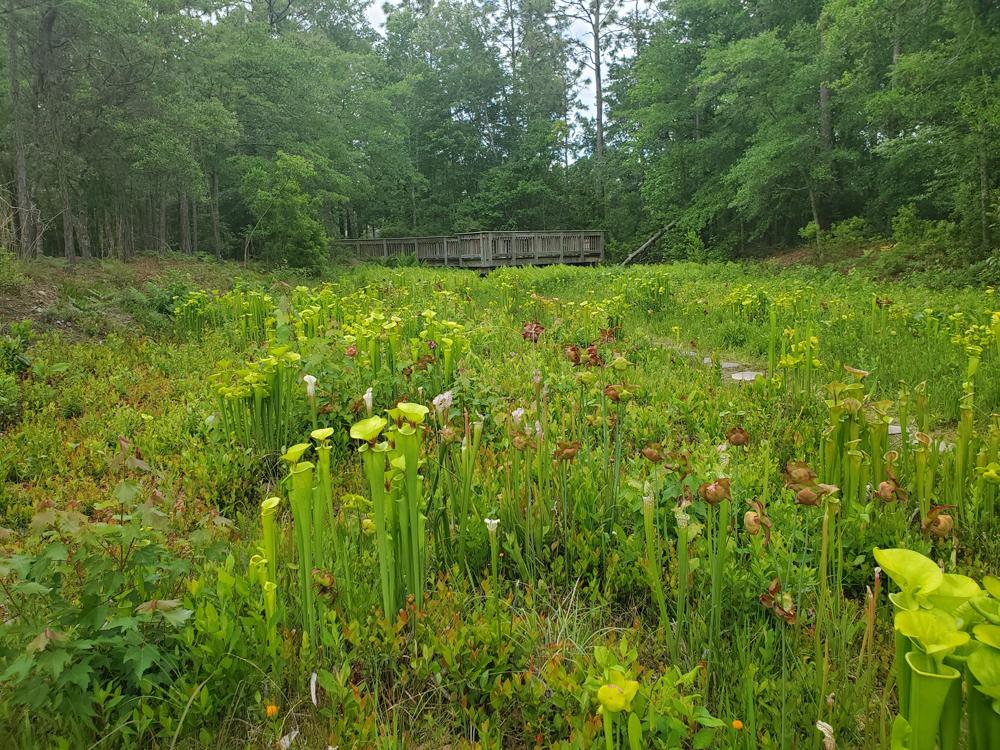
[268, 129]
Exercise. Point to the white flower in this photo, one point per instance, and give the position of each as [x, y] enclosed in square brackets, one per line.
[538, 429]
[517, 415]
[442, 403]
[312, 688]
[310, 381]
[369, 399]
[829, 742]
[492, 524]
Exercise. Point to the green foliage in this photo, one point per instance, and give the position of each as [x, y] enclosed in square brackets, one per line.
[572, 530]
[12, 278]
[14, 346]
[10, 400]
[92, 622]
[286, 204]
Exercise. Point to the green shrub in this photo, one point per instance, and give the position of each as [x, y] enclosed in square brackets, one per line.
[11, 278]
[14, 346]
[96, 617]
[10, 400]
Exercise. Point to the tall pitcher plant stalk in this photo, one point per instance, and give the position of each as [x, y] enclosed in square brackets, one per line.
[397, 499]
[373, 455]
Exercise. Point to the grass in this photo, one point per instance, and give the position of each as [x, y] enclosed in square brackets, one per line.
[642, 538]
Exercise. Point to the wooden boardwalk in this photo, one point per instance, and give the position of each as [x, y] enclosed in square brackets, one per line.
[487, 250]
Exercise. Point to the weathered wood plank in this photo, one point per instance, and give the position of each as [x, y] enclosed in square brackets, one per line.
[487, 250]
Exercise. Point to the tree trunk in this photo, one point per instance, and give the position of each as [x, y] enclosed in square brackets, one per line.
[598, 84]
[164, 241]
[216, 233]
[814, 205]
[24, 210]
[984, 199]
[185, 220]
[69, 248]
[194, 225]
[83, 236]
[595, 9]
[826, 144]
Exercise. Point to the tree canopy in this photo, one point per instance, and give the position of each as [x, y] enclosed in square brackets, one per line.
[270, 129]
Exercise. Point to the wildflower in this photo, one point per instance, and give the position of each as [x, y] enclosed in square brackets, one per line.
[432, 344]
[442, 403]
[737, 436]
[937, 523]
[517, 415]
[652, 452]
[616, 696]
[492, 524]
[271, 710]
[756, 520]
[532, 331]
[990, 473]
[829, 742]
[572, 353]
[781, 604]
[538, 429]
[807, 496]
[310, 381]
[737, 724]
[351, 351]
[368, 526]
[620, 363]
[369, 400]
[798, 472]
[593, 358]
[566, 450]
[715, 492]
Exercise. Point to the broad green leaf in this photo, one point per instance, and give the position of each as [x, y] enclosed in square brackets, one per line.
[414, 413]
[953, 591]
[141, 658]
[78, 675]
[915, 574]
[988, 633]
[127, 492]
[324, 433]
[992, 585]
[635, 732]
[293, 454]
[984, 664]
[368, 429]
[703, 738]
[934, 631]
[901, 732]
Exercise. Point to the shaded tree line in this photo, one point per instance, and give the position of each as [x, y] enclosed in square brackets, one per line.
[269, 128]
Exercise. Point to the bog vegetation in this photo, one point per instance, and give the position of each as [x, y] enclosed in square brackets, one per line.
[679, 506]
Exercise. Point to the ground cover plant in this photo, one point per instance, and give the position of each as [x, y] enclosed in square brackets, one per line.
[680, 506]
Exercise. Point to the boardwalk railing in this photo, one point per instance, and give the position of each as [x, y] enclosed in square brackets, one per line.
[487, 250]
